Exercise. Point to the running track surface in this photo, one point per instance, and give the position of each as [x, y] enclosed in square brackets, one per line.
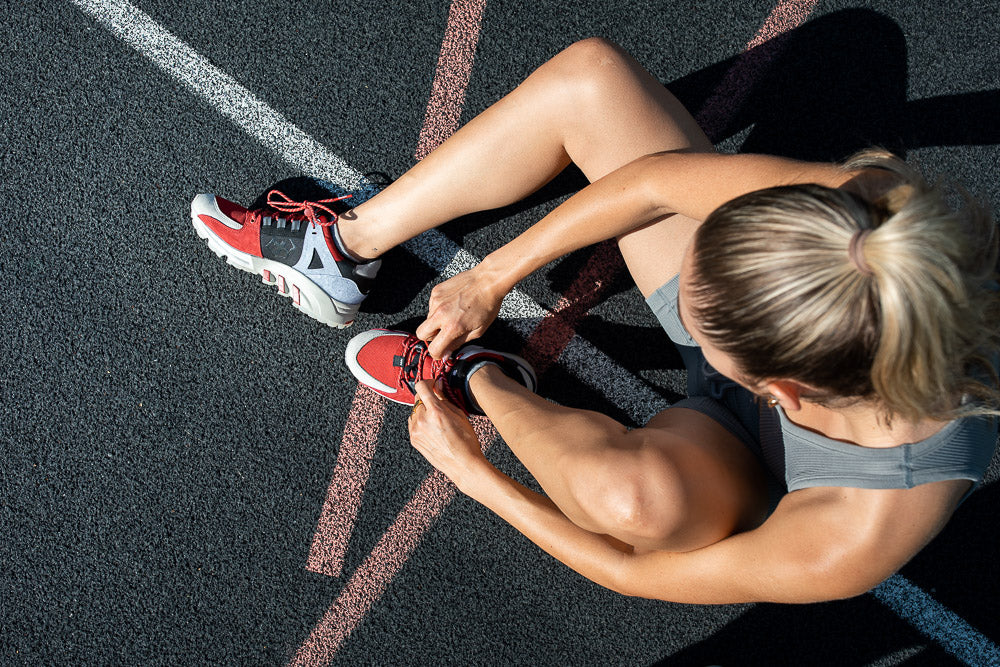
[190, 473]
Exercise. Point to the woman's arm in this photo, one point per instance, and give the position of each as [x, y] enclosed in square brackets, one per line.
[651, 188]
[819, 544]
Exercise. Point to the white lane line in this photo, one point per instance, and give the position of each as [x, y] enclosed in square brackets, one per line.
[936, 621]
[222, 91]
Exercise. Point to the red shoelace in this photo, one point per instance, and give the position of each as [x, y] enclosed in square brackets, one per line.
[299, 209]
[414, 355]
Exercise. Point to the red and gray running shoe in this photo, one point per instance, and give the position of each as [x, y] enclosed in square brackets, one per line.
[391, 363]
[292, 245]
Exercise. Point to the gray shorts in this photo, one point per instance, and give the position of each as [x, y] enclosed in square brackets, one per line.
[741, 408]
[715, 395]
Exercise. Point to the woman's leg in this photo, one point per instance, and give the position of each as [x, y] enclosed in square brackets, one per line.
[591, 104]
[680, 483]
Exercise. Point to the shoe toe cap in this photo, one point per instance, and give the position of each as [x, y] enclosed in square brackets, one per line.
[369, 354]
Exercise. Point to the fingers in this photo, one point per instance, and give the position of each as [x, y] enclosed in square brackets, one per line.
[433, 400]
[426, 394]
[446, 342]
[443, 340]
[428, 329]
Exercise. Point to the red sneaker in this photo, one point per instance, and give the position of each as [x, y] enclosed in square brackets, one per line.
[391, 362]
[291, 245]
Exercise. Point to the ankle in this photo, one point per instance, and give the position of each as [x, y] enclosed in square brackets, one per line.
[357, 236]
[349, 239]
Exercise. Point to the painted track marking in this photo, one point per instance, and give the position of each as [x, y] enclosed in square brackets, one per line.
[937, 622]
[350, 475]
[451, 77]
[730, 95]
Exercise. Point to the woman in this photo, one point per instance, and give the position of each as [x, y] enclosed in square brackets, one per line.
[846, 297]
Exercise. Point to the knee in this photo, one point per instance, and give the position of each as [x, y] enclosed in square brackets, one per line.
[642, 506]
[591, 65]
[593, 52]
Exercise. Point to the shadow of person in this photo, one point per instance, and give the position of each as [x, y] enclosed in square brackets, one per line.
[831, 87]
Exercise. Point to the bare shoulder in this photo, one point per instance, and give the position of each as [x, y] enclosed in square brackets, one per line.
[869, 533]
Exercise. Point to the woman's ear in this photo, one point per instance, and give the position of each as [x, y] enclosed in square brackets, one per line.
[788, 393]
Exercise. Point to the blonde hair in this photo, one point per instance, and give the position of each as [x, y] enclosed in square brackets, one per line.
[907, 318]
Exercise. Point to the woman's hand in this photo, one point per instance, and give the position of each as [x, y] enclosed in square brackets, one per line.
[460, 309]
[441, 432]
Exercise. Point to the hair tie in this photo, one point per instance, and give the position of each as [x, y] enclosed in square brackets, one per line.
[855, 251]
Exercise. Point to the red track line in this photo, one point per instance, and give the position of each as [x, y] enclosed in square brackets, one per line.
[371, 578]
[454, 67]
[339, 512]
[380, 567]
[343, 498]
[730, 95]
[557, 329]
[788, 15]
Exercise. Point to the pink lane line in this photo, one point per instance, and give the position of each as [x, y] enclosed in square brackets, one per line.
[730, 95]
[788, 15]
[343, 498]
[454, 67]
[370, 580]
[557, 329]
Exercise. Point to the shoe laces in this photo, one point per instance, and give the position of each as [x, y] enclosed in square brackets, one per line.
[299, 209]
[415, 354]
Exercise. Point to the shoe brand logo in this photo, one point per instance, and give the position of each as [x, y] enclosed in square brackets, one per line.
[281, 248]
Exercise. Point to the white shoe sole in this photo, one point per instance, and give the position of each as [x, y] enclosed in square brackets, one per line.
[306, 295]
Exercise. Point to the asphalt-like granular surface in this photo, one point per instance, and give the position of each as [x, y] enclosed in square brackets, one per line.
[169, 427]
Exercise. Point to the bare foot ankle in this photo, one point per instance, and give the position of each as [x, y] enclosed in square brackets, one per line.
[350, 242]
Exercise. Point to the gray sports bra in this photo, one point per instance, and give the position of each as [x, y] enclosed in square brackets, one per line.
[802, 458]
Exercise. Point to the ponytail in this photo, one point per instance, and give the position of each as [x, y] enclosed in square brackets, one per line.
[892, 301]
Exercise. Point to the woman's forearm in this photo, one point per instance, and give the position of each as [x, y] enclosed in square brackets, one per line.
[647, 189]
[594, 556]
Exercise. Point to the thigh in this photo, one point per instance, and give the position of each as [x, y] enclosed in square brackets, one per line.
[615, 113]
[653, 253]
[723, 487]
